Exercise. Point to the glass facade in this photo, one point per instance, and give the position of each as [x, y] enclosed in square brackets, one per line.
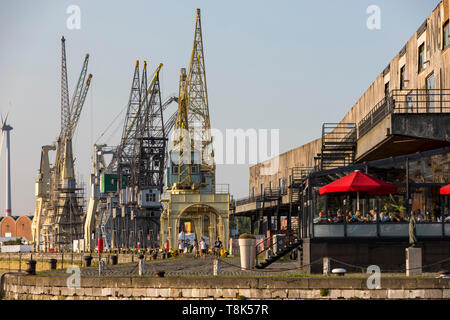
[418, 180]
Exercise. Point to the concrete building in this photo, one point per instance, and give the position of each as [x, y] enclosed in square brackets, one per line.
[398, 131]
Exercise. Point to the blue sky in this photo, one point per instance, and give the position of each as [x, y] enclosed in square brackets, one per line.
[290, 65]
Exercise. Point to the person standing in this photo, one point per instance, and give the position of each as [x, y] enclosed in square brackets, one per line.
[217, 247]
[195, 248]
[181, 247]
[166, 246]
[202, 248]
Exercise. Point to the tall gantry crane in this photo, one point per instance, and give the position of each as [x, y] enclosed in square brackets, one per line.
[192, 152]
[191, 187]
[59, 208]
[124, 208]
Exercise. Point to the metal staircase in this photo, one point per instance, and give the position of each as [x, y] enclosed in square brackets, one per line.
[338, 145]
[278, 255]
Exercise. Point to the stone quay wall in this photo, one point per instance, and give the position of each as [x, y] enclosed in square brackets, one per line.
[21, 286]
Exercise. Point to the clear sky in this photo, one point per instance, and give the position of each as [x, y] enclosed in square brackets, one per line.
[288, 65]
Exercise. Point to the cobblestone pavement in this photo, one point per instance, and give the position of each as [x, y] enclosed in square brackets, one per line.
[188, 265]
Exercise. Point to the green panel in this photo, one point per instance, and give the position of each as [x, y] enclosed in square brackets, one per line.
[108, 182]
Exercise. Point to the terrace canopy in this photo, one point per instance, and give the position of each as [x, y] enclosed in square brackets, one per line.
[445, 190]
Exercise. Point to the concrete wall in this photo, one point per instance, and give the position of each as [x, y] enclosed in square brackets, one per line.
[302, 156]
[19, 287]
[438, 64]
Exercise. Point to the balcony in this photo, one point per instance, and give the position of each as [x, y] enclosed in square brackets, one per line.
[405, 122]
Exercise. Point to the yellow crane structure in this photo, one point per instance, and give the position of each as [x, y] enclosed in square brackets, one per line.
[192, 195]
[59, 209]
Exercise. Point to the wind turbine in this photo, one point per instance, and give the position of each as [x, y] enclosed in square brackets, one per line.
[7, 128]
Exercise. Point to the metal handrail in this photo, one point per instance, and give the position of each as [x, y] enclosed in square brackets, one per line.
[414, 101]
[287, 242]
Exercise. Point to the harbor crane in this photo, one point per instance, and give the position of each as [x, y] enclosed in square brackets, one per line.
[124, 207]
[59, 210]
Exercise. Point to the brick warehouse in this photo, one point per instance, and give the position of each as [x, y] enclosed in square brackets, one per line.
[18, 226]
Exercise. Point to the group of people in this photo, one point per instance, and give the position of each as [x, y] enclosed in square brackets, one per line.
[351, 217]
[199, 248]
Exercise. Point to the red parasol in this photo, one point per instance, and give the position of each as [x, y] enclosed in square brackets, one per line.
[359, 182]
[445, 190]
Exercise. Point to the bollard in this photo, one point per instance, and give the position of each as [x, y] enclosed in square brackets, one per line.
[52, 264]
[216, 269]
[413, 261]
[141, 265]
[88, 260]
[114, 259]
[31, 270]
[101, 268]
[326, 266]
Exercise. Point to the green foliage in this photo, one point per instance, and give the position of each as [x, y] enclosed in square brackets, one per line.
[324, 292]
[241, 224]
[392, 205]
[247, 236]
[15, 242]
[239, 297]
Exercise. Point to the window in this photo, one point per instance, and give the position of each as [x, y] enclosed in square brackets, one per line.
[402, 78]
[430, 93]
[445, 35]
[262, 188]
[386, 89]
[421, 57]
[174, 169]
[194, 169]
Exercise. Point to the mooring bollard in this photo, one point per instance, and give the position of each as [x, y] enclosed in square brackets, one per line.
[52, 264]
[141, 265]
[216, 269]
[31, 270]
[88, 260]
[101, 268]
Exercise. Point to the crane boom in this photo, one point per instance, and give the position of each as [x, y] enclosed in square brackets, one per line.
[77, 112]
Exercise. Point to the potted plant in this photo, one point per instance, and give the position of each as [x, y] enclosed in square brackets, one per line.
[247, 243]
